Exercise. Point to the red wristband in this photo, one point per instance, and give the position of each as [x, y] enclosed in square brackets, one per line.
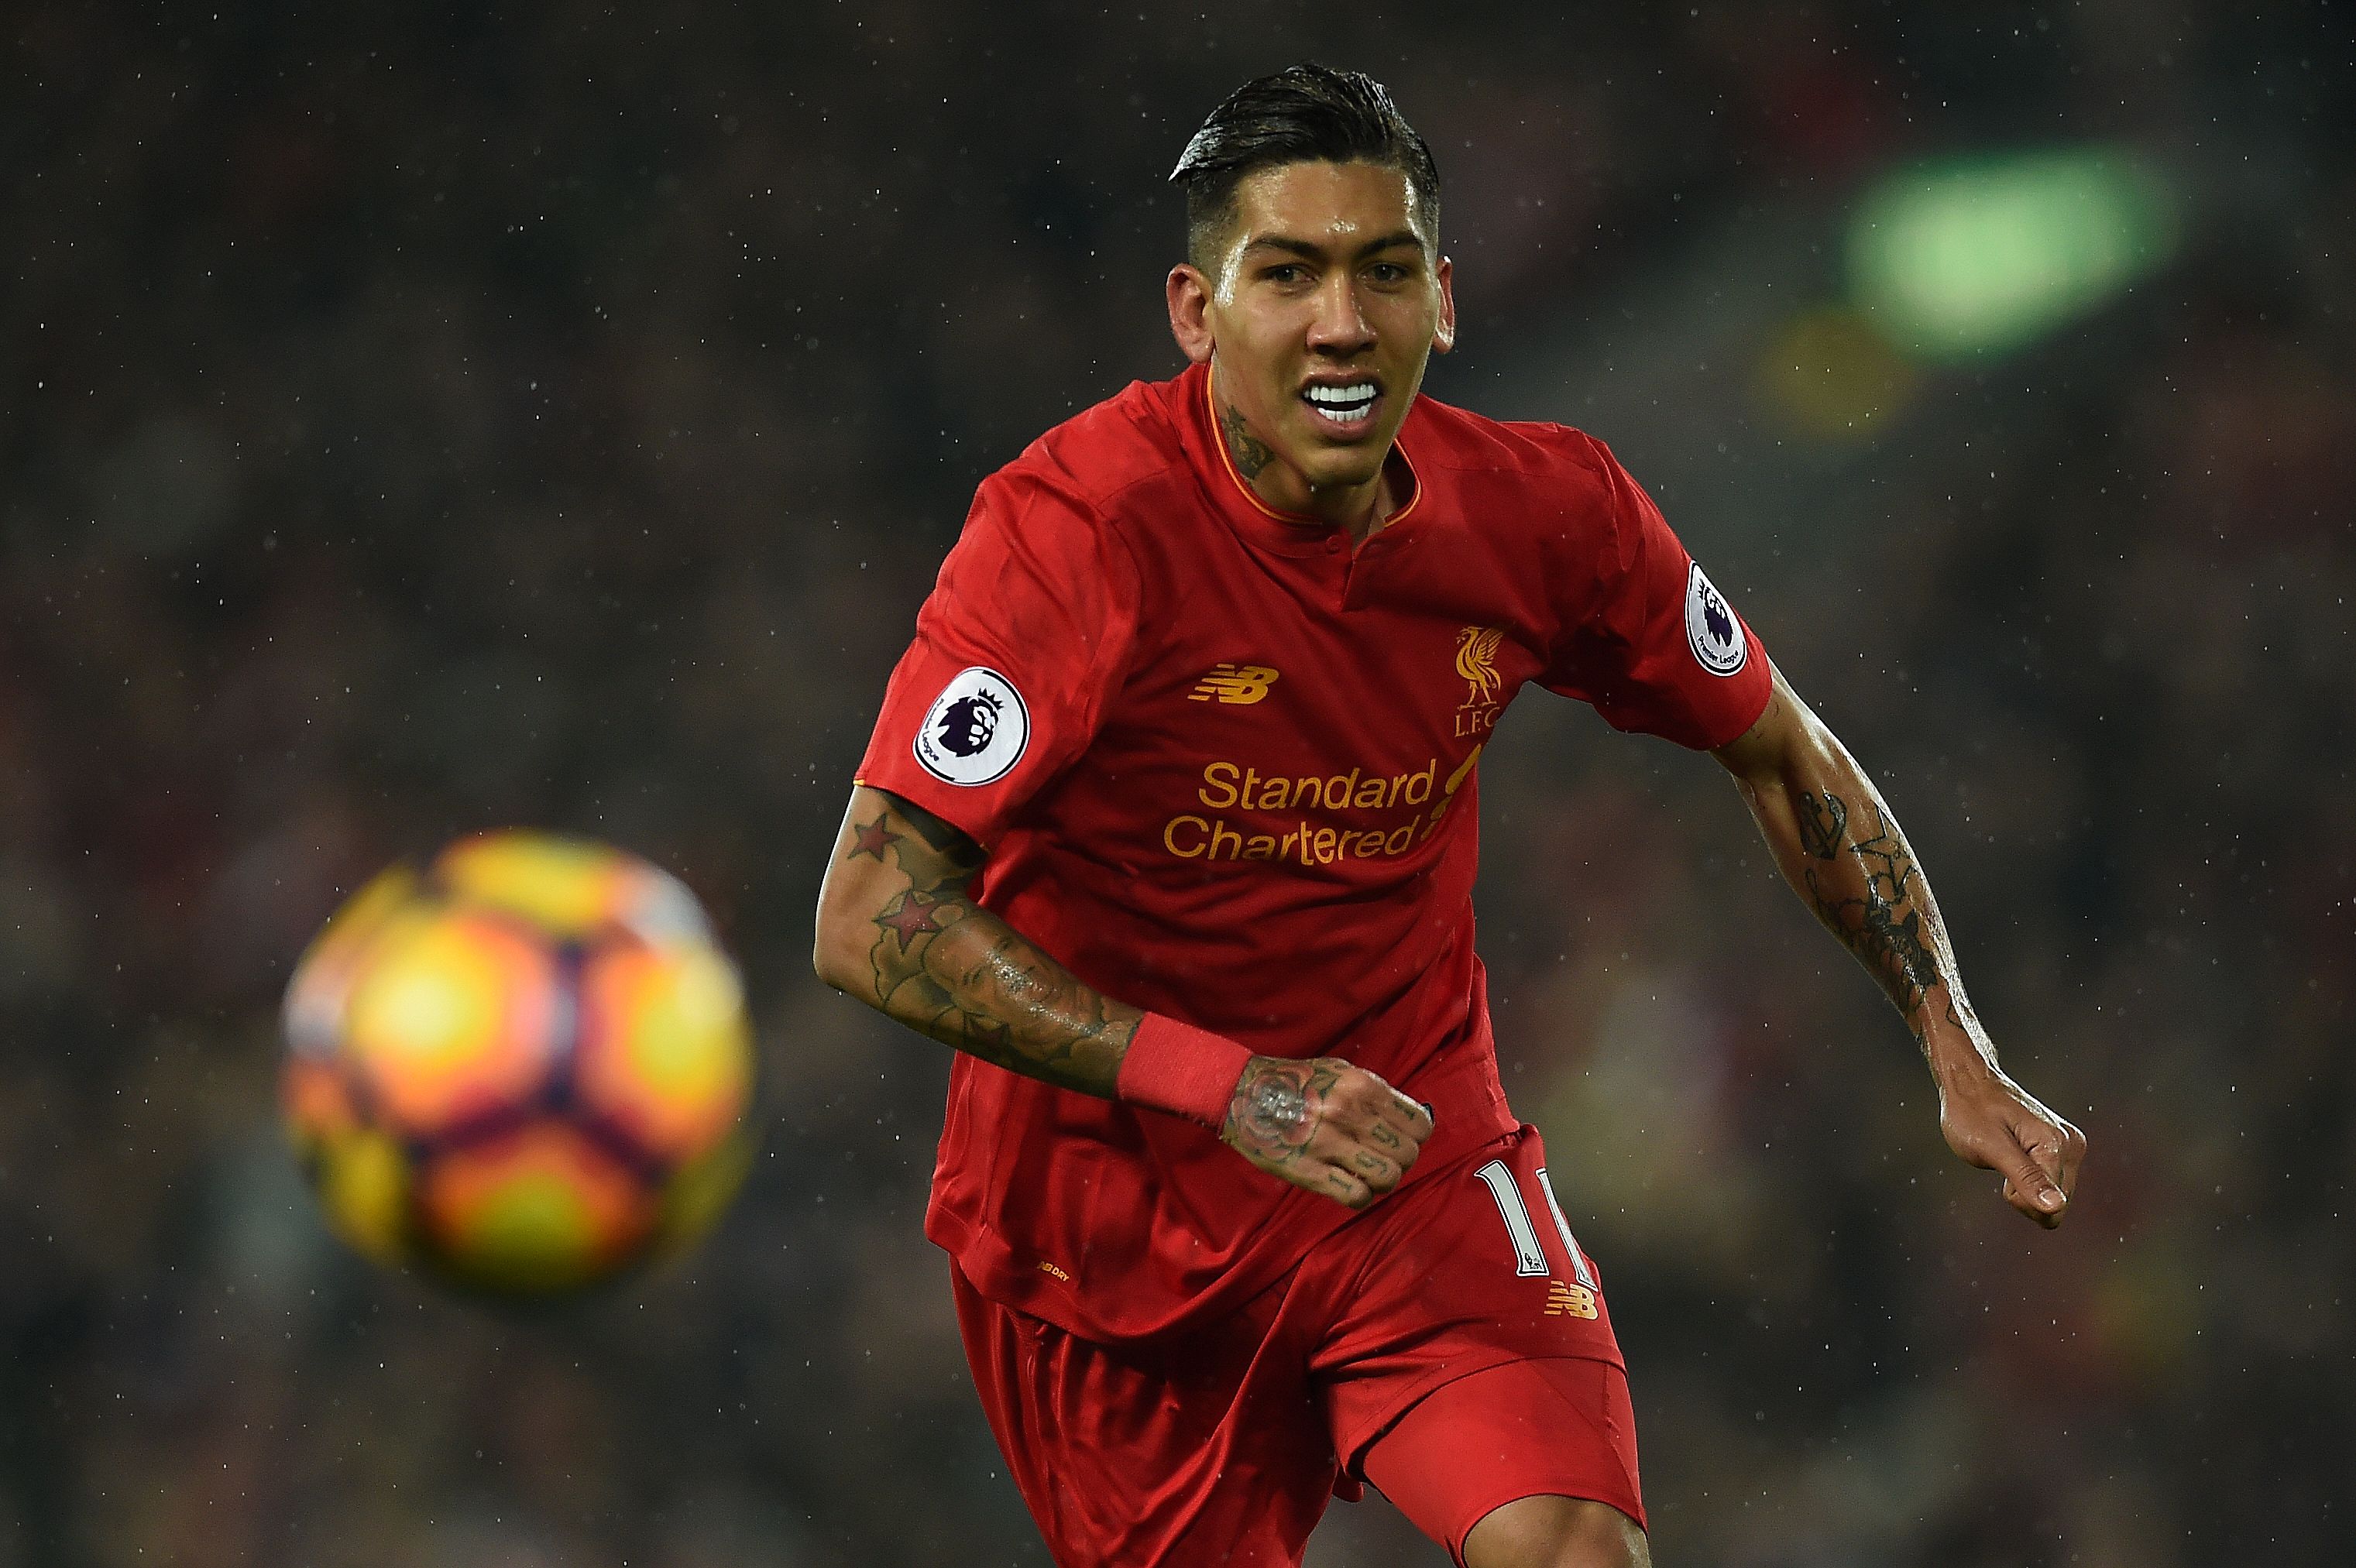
[1175, 1067]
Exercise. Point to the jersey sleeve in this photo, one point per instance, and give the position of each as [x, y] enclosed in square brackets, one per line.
[1025, 633]
[1644, 636]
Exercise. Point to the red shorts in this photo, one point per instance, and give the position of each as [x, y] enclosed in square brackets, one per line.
[1451, 1344]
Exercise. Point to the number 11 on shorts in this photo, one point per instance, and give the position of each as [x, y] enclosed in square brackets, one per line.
[1529, 1257]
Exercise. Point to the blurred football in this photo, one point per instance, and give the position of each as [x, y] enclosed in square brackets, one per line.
[522, 1069]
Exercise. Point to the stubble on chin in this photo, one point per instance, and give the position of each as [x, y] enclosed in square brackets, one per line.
[1343, 468]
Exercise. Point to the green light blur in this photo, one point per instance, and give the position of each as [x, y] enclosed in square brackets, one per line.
[1989, 253]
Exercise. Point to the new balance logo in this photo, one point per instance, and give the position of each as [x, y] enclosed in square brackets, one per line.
[1233, 683]
[1572, 1300]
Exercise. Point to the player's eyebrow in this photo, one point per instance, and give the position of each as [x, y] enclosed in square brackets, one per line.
[1309, 250]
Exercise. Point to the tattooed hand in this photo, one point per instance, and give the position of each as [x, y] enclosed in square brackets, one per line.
[1325, 1125]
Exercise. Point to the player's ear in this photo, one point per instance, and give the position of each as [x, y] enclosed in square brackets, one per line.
[1190, 312]
[1444, 336]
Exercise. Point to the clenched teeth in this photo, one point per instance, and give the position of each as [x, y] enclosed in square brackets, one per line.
[1345, 404]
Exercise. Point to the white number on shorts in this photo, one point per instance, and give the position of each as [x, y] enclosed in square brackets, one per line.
[1578, 1269]
[1529, 1258]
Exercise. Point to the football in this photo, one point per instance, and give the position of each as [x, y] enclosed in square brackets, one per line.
[521, 1068]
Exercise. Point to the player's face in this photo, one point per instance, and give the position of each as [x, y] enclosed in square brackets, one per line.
[1325, 307]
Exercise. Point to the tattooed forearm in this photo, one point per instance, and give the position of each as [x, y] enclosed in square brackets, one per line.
[982, 987]
[941, 963]
[1822, 817]
[1870, 900]
[1251, 454]
[1842, 851]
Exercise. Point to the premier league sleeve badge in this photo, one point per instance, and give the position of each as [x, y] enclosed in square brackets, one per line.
[1713, 630]
[976, 730]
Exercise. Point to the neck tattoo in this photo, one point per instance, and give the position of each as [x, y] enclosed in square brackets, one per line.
[1250, 453]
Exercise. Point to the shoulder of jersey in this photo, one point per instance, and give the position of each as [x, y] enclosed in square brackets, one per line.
[1545, 480]
[1130, 437]
[1462, 440]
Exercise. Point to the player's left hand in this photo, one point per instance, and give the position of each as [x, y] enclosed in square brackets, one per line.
[1325, 1125]
[1994, 1124]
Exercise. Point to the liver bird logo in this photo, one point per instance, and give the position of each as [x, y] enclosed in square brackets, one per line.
[1476, 661]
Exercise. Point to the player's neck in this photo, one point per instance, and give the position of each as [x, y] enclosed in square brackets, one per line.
[1358, 510]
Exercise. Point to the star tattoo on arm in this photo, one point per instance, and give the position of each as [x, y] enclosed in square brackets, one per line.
[939, 962]
[910, 915]
[872, 837]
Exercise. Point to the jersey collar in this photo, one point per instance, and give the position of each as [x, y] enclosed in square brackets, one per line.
[1289, 533]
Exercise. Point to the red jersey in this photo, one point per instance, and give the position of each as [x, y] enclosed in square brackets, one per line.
[1225, 769]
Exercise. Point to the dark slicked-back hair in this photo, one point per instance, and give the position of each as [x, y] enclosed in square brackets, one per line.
[1303, 113]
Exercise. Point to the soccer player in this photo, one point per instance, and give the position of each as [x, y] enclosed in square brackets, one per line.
[1168, 825]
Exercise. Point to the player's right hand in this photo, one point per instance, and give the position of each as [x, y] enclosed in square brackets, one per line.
[1325, 1125]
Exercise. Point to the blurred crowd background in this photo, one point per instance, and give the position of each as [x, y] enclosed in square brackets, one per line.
[424, 418]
